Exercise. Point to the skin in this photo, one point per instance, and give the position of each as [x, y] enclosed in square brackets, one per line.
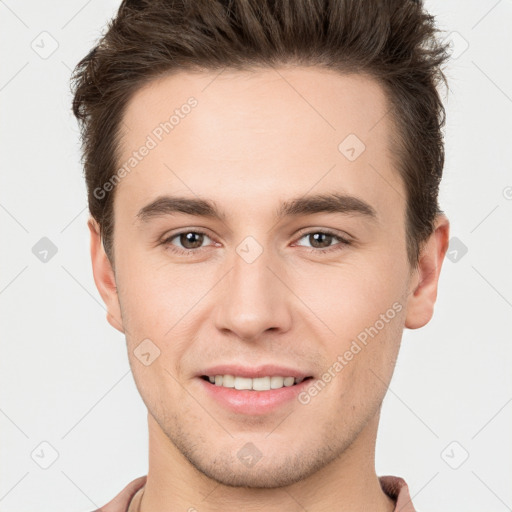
[254, 140]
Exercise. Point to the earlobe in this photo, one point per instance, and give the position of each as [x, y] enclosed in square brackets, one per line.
[423, 291]
[104, 276]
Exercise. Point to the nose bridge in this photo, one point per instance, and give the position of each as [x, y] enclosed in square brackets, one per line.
[254, 299]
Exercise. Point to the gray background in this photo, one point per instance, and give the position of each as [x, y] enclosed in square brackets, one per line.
[64, 374]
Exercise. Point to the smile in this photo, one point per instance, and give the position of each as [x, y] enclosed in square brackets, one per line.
[257, 384]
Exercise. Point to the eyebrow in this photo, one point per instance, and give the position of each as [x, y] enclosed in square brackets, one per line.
[305, 205]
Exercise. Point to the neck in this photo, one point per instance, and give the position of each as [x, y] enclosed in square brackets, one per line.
[348, 483]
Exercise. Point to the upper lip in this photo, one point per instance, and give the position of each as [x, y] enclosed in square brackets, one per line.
[265, 370]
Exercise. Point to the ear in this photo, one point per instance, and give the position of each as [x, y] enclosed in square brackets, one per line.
[423, 289]
[104, 277]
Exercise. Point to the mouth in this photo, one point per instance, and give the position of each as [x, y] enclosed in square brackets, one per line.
[257, 396]
[265, 383]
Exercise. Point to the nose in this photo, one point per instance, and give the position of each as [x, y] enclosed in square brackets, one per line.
[254, 299]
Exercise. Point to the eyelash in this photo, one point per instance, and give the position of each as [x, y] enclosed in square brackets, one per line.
[186, 252]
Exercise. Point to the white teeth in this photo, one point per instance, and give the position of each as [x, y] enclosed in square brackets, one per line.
[243, 383]
[256, 384]
[276, 382]
[228, 381]
[289, 381]
[261, 383]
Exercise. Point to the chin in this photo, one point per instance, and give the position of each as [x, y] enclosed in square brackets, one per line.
[254, 478]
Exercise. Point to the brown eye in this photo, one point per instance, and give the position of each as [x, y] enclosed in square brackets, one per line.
[187, 241]
[191, 240]
[320, 240]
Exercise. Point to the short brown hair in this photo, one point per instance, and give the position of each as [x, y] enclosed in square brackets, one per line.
[392, 41]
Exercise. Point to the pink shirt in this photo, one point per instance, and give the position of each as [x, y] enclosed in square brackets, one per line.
[394, 486]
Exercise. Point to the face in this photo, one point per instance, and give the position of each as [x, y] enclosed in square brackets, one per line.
[293, 256]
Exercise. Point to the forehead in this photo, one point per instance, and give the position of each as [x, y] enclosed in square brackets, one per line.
[254, 133]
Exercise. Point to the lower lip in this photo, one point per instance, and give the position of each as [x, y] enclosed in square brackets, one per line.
[245, 401]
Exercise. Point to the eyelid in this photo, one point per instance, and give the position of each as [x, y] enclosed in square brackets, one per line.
[344, 240]
[181, 231]
[299, 234]
[316, 229]
[166, 242]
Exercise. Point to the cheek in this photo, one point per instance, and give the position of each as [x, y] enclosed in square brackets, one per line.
[351, 297]
[155, 294]
[362, 365]
[374, 348]
[362, 304]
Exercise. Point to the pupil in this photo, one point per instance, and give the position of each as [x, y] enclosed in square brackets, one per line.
[187, 238]
[196, 239]
[319, 235]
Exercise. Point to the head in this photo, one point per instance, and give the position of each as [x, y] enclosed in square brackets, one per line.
[262, 181]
